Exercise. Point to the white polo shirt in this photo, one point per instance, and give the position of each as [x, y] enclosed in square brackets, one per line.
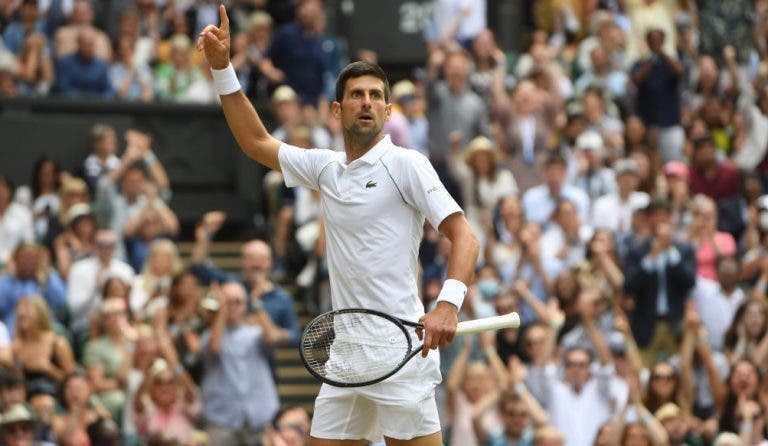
[374, 210]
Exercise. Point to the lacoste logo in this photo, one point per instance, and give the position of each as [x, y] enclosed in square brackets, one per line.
[370, 184]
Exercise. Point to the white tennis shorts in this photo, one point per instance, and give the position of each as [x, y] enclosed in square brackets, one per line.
[401, 407]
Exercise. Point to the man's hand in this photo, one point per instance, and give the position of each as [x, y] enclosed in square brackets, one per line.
[439, 327]
[215, 42]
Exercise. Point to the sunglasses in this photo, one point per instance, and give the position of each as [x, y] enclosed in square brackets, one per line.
[580, 364]
[663, 376]
[17, 428]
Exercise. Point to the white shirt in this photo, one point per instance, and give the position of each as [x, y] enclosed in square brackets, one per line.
[374, 210]
[578, 416]
[82, 287]
[716, 310]
[609, 212]
[15, 228]
[538, 204]
[552, 242]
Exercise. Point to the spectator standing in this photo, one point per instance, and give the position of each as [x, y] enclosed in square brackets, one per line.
[614, 211]
[593, 177]
[710, 176]
[718, 300]
[659, 284]
[296, 50]
[175, 80]
[16, 34]
[103, 158]
[540, 201]
[657, 78]
[239, 395]
[46, 180]
[710, 243]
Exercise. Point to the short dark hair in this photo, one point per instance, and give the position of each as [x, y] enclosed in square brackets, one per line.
[555, 157]
[703, 140]
[360, 69]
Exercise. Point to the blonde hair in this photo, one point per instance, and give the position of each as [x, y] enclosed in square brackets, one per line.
[41, 312]
[160, 246]
[70, 184]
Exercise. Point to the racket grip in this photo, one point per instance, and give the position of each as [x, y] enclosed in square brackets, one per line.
[510, 320]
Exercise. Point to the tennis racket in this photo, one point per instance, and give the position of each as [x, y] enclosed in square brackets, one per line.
[357, 347]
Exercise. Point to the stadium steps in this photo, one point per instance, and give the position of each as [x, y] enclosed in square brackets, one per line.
[295, 385]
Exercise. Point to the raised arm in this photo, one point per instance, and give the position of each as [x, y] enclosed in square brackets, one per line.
[244, 122]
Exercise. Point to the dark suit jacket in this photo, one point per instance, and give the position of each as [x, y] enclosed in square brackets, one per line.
[643, 285]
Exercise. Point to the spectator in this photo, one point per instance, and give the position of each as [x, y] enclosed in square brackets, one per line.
[747, 338]
[81, 17]
[185, 322]
[256, 264]
[155, 221]
[564, 244]
[32, 275]
[175, 80]
[83, 74]
[103, 158]
[81, 412]
[614, 210]
[452, 105]
[411, 103]
[709, 176]
[290, 427]
[107, 357]
[593, 177]
[239, 395]
[151, 287]
[285, 103]
[16, 35]
[143, 183]
[73, 190]
[43, 356]
[601, 114]
[18, 427]
[483, 182]
[296, 51]
[456, 20]
[659, 284]
[15, 222]
[9, 69]
[657, 80]
[167, 402]
[677, 425]
[718, 300]
[677, 176]
[86, 279]
[78, 240]
[540, 201]
[710, 243]
[249, 58]
[46, 180]
[130, 82]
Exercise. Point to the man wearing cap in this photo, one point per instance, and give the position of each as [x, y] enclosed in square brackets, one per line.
[18, 427]
[287, 109]
[614, 211]
[677, 426]
[593, 178]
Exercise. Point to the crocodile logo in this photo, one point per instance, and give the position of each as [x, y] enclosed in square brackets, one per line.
[370, 184]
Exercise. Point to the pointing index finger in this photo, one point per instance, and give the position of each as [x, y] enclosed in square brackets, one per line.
[224, 26]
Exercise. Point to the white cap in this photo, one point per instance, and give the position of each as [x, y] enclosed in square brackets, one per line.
[589, 140]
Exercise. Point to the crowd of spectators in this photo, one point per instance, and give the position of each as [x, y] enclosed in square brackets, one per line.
[614, 172]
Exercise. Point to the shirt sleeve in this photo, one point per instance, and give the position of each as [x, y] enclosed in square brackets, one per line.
[302, 167]
[423, 189]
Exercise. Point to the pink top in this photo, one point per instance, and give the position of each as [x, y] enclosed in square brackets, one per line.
[176, 423]
[706, 258]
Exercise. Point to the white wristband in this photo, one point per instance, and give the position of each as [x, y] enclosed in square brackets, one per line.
[225, 80]
[453, 292]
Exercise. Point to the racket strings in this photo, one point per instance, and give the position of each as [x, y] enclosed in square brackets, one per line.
[354, 348]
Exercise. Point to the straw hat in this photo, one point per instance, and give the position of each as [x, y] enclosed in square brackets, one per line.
[18, 413]
[481, 144]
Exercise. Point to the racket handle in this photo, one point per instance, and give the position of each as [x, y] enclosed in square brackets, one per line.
[511, 320]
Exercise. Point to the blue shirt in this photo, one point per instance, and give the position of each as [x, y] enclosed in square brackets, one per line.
[76, 77]
[12, 289]
[301, 57]
[658, 96]
[238, 389]
[499, 439]
[14, 35]
[277, 303]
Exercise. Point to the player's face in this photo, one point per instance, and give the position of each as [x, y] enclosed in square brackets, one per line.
[363, 108]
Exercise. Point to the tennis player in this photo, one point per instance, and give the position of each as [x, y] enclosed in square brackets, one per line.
[375, 197]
